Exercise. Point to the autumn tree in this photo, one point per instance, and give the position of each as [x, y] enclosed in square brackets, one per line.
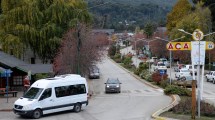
[200, 18]
[38, 24]
[158, 48]
[181, 9]
[91, 46]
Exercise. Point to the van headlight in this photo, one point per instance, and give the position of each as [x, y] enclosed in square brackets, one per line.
[27, 107]
[107, 85]
[117, 86]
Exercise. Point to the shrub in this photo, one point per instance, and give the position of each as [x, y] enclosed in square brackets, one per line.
[164, 83]
[184, 107]
[112, 50]
[144, 73]
[42, 75]
[172, 89]
[156, 77]
[143, 66]
[136, 71]
[148, 77]
[127, 61]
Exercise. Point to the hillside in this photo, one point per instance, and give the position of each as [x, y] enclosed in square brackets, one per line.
[127, 14]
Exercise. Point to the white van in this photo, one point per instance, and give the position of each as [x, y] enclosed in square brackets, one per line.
[64, 92]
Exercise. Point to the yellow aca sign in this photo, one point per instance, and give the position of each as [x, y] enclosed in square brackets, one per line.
[186, 45]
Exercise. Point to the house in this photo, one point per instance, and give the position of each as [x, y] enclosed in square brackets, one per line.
[19, 70]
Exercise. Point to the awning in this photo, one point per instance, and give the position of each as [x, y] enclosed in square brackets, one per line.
[2, 70]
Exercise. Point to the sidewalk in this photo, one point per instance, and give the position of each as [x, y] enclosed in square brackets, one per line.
[8, 105]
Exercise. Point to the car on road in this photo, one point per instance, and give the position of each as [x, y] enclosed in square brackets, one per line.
[113, 85]
[182, 72]
[94, 72]
[209, 76]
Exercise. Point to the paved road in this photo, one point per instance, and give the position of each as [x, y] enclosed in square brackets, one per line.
[136, 101]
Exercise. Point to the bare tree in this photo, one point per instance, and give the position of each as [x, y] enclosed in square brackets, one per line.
[79, 50]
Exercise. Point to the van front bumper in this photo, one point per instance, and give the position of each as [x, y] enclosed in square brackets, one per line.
[22, 112]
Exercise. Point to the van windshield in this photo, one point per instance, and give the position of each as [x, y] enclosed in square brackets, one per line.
[33, 93]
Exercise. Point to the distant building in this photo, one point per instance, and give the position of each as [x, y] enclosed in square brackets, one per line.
[107, 31]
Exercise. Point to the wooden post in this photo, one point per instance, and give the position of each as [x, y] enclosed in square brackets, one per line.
[193, 116]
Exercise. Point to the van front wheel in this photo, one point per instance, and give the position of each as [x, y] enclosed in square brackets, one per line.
[77, 107]
[37, 114]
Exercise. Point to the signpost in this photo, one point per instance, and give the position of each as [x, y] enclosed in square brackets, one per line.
[198, 56]
[187, 45]
[7, 74]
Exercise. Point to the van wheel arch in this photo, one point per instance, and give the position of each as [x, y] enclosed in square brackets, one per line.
[37, 113]
[77, 107]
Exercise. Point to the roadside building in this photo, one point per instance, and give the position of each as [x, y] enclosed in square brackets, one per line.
[19, 70]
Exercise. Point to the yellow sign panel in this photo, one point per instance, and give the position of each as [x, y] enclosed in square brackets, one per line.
[186, 45]
[178, 46]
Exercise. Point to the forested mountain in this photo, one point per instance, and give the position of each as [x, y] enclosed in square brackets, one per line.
[127, 14]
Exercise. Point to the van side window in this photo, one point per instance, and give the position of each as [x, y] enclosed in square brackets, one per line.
[46, 94]
[63, 91]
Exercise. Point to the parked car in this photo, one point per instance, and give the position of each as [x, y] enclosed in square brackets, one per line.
[182, 72]
[113, 85]
[209, 76]
[212, 79]
[185, 81]
[189, 67]
[167, 64]
[142, 56]
[152, 60]
[163, 60]
[160, 66]
[94, 72]
[178, 67]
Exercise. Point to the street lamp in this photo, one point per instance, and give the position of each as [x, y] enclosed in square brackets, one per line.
[170, 54]
[149, 51]
[198, 35]
[135, 42]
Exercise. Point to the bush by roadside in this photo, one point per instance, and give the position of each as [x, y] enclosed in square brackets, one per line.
[156, 77]
[173, 89]
[184, 107]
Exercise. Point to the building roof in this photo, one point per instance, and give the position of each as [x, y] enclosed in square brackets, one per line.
[13, 62]
[109, 31]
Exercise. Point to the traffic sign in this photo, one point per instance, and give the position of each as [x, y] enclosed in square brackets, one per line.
[198, 35]
[187, 45]
[209, 45]
[162, 72]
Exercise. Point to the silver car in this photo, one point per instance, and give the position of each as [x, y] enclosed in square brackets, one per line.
[113, 85]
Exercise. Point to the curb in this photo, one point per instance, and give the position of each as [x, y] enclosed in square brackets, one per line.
[175, 101]
[6, 110]
[175, 98]
[137, 77]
